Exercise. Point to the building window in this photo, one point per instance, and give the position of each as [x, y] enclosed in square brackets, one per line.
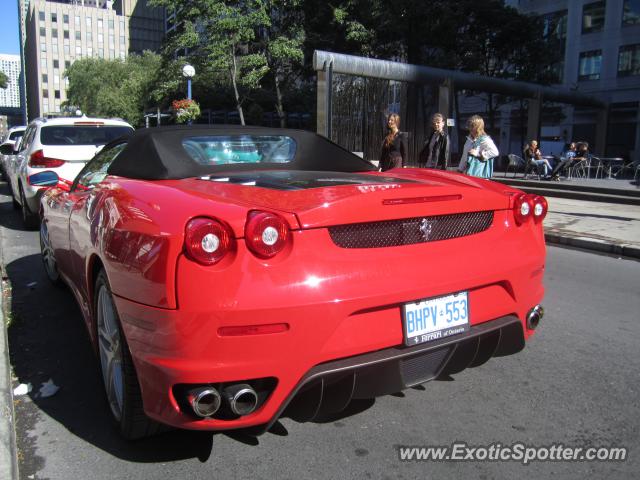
[65, 19]
[88, 21]
[111, 24]
[112, 41]
[89, 37]
[45, 78]
[590, 63]
[45, 105]
[54, 48]
[66, 34]
[78, 50]
[43, 32]
[77, 21]
[67, 64]
[54, 17]
[43, 47]
[45, 93]
[89, 51]
[100, 38]
[67, 50]
[593, 17]
[631, 12]
[56, 93]
[99, 23]
[54, 32]
[56, 80]
[629, 60]
[78, 35]
[122, 40]
[56, 64]
[41, 16]
[122, 25]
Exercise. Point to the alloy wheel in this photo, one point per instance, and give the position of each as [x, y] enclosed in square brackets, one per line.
[111, 355]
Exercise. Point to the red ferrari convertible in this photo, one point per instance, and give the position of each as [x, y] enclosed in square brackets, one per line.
[230, 276]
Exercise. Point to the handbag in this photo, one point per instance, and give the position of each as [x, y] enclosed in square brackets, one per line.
[478, 167]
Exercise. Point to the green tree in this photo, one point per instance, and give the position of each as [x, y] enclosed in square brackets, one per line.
[114, 88]
[282, 42]
[3, 80]
[221, 36]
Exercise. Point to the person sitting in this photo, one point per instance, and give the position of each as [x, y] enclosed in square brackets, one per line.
[533, 156]
[566, 160]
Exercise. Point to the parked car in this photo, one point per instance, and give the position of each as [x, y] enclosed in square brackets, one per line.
[63, 145]
[225, 295]
[12, 137]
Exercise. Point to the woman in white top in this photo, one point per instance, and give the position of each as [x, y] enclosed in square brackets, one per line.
[479, 150]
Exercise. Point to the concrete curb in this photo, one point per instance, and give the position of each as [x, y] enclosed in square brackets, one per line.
[8, 449]
[585, 243]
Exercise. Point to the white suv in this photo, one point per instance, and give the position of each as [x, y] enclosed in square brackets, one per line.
[63, 145]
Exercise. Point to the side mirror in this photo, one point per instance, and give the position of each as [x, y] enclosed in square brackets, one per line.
[17, 145]
[6, 149]
[44, 179]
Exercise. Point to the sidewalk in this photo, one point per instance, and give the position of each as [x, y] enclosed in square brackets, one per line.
[601, 227]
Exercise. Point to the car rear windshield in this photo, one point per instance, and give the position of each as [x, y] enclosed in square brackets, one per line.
[82, 134]
[15, 134]
[232, 149]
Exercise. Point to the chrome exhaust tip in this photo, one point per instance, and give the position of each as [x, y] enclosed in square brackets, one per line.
[534, 316]
[242, 398]
[205, 401]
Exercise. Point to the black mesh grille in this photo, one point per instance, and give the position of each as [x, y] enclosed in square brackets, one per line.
[408, 231]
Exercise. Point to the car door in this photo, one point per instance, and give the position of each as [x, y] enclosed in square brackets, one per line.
[85, 190]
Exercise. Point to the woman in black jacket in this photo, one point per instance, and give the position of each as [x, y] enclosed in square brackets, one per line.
[435, 152]
[393, 148]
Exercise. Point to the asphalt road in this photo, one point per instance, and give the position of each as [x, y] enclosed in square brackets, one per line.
[576, 384]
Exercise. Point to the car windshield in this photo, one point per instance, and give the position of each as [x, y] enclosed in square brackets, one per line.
[233, 149]
[82, 134]
[15, 134]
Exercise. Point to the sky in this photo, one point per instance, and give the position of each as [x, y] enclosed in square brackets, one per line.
[9, 36]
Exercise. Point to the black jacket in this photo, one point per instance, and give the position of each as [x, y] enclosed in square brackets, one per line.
[439, 156]
[394, 154]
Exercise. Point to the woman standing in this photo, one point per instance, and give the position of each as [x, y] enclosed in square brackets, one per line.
[393, 149]
[479, 150]
[435, 153]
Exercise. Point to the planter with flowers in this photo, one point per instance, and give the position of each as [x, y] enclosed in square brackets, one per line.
[186, 110]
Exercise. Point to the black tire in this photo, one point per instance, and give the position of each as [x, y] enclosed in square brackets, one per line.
[129, 417]
[48, 257]
[29, 219]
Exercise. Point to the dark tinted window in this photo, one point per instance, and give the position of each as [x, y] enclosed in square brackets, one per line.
[232, 149]
[15, 134]
[81, 134]
[96, 170]
[631, 12]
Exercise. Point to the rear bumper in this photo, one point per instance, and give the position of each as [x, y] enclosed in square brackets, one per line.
[329, 387]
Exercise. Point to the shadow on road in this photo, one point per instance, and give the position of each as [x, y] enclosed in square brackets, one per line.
[48, 340]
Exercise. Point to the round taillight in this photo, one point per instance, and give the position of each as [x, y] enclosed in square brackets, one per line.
[522, 208]
[540, 208]
[207, 240]
[266, 234]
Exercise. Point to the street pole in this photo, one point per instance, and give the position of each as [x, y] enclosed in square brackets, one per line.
[188, 72]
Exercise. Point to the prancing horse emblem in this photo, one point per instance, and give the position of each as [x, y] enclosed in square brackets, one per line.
[425, 228]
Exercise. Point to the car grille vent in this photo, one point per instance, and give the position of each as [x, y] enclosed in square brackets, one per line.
[409, 231]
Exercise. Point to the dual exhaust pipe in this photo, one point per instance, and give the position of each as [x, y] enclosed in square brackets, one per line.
[241, 399]
[534, 316]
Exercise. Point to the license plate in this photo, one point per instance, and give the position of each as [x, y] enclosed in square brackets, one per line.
[435, 318]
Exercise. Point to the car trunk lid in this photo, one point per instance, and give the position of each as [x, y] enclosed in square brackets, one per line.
[322, 199]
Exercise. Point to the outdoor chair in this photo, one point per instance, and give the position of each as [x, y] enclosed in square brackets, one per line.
[515, 162]
[532, 168]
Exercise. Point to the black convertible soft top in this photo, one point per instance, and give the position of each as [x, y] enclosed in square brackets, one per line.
[158, 154]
